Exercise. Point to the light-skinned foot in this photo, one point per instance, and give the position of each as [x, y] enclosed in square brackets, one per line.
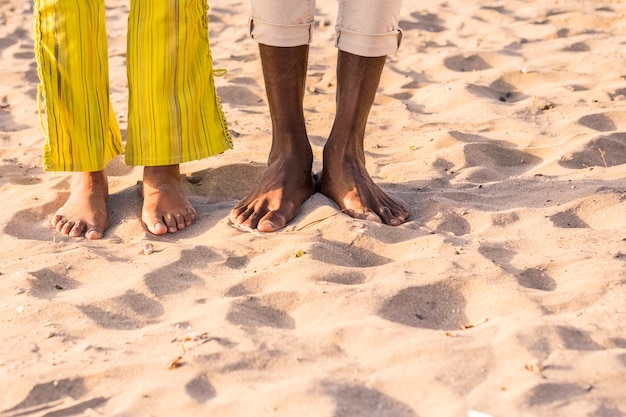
[85, 211]
[165, 205]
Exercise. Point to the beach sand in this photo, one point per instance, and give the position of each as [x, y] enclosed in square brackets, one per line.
[502, 125]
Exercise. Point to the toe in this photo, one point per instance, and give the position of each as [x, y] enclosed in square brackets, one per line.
[365, 214]
[252, 220]
[155, 225]
[58, 225]
[77, 229]
[158, 228]
[386, 215]
[236, 214]
[402, 214]
[171, 223]
[241, 216]
[191, 215]
[55, 220]
[181, 222]
[94, 233]
[65, 227]
[271, 222]
[390, 218]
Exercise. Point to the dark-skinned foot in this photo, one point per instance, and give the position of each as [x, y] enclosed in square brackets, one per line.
[348, 184]
[277, 198]
[85, 211]
[288, 182]
[165, 205]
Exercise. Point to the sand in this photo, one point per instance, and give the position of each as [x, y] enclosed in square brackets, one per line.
[502, 126]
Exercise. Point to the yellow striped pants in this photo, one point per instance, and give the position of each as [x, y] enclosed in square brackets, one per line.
[174, 113]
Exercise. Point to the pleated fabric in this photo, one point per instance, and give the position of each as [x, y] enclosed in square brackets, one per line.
[174, 112]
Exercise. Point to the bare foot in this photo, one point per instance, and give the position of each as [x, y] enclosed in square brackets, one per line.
[278, 196]
[85, 211]
[165, 206]
[347, 182]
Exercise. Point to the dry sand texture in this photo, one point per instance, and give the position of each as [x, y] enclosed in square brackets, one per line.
[500, 124]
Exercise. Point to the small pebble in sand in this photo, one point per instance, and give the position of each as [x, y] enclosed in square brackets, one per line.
[546, 106]
[147, 249]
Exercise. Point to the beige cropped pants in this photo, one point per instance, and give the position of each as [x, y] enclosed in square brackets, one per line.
[364, 27]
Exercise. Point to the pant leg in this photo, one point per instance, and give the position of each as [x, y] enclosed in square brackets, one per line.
[174, 112]
[369, 27]
[81, 133]
[282, 23]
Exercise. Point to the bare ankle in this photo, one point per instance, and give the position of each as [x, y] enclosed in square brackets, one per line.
[95, 182]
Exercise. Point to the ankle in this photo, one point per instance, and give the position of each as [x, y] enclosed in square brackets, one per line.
[161, 173]
[343, 152]
[91, 180]
[298, 153]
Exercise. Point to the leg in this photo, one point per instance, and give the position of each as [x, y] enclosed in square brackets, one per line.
[344, 177]
[174, 113]
[287, 183]
[80, 127]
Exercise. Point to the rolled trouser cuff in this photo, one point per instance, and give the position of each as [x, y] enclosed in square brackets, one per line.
[368, 45]
[280, 35]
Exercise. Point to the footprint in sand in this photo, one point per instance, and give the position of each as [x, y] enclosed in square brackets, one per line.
[438, 306]
[550, 392]
[568, 219]
[605, 151]
[460, 63]
[535, 277]
[177, 277]
[59, 398]
[259, 283]
[577, 47]
[447, 221]
[253, 313]
[46, 282]
[200, 389]
[424, 21]
[239, 96]
[344, 254]
[129, 311]
[357, 400]
[498, 90]
[599, 121]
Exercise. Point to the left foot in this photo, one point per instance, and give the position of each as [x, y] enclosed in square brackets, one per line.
[345, 180]
[165, 205]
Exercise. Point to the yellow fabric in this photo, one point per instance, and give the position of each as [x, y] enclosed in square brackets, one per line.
[174, 112]
[71, 48]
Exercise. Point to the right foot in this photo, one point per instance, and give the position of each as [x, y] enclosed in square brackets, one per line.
[85, 211]
[288, 181]
[277, 198]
